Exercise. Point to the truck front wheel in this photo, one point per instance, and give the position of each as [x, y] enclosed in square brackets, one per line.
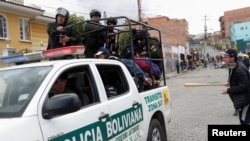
[155, 132]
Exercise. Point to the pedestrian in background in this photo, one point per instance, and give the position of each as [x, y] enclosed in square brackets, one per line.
[245, 61]
[182, 65]
[238, 85]
[214, 63]
[177, 64]
[190, 64]
[205, 63]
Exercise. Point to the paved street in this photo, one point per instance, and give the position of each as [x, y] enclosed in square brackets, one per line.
[194, 108]
[212, 51]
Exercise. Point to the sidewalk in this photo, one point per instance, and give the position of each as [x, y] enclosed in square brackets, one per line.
[168, 75]
[173, 74]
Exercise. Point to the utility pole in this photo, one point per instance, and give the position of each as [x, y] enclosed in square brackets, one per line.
[205, 27]
[105, 16]
[205, 35]
[139, 10]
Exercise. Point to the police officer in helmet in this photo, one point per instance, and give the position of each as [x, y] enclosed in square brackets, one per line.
[95, 15]
[111, 36]
[111, 22]
[59, 36]
[96, 34]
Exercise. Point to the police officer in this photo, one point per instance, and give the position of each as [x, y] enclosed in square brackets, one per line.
[95, 34]
[111, 37]
[59, 36]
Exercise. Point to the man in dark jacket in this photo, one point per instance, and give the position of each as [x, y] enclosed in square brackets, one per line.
[246, 61]
[111, 44]
[238, 85]
[59, 86]
[95, 34]
[60, 35]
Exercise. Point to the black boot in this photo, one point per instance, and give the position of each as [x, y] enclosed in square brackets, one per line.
[236, 112]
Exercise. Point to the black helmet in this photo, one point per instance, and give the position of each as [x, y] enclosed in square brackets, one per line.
[62, 11]
[112, 20]
[142, 34]
[95, 12]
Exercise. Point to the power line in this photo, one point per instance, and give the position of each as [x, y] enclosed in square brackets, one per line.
[50, 8]
[139, 10]
[205, 27]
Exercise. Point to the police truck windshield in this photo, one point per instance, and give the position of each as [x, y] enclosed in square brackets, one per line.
[17, 87]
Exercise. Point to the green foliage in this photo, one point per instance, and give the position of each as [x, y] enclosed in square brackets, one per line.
[78, 28]
[123, 38]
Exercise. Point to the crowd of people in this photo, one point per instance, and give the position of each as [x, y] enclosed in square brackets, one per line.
[194, 64]
[101, 42]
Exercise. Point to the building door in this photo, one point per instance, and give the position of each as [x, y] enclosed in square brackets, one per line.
[168, 63]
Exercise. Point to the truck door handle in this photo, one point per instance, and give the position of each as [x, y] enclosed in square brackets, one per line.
[135, 103]
[103, 115]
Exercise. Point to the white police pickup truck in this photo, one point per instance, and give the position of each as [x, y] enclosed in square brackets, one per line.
[28, 113]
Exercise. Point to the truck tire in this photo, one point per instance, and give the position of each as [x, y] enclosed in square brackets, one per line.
[155, 132]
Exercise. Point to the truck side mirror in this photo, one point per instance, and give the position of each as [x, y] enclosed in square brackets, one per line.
[61, 104]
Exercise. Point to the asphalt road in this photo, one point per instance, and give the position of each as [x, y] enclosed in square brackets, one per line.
[194, 108]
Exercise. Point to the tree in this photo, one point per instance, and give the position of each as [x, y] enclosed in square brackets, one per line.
[123, 38]
[78, 25]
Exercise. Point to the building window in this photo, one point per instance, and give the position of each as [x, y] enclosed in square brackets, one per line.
[3, 27]
[24, 29]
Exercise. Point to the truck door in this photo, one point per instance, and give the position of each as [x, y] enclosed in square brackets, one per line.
[85, 124]
[123, 102]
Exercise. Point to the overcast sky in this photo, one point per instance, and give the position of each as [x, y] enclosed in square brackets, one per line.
[194, 11]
